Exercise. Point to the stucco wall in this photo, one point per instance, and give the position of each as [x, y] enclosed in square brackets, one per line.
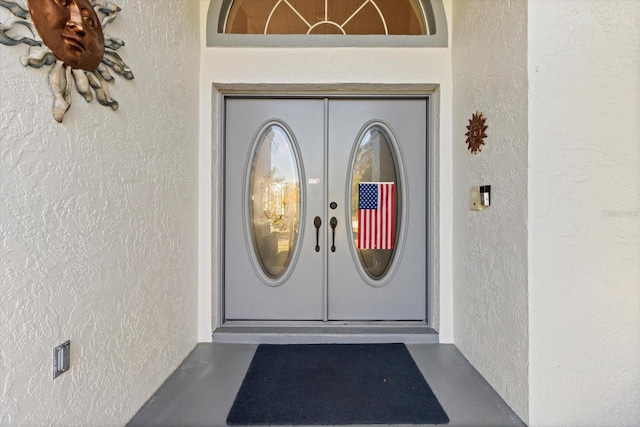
[584, 212]
[98, 227]
[320, 66]
[490, 247]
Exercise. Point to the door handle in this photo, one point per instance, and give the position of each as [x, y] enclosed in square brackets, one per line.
[317, 222]
[333, 223]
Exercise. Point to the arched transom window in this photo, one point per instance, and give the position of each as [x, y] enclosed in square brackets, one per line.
[347, 17]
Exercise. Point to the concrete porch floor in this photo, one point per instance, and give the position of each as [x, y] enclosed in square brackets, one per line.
[202, 390]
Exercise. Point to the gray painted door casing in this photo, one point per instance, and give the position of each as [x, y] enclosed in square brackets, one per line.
[324, 280]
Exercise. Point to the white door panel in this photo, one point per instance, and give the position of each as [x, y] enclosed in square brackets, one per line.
[250, 292]
[400, 293]
[275, 266]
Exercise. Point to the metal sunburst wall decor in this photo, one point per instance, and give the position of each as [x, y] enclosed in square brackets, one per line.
[476, 135]
[67, 36]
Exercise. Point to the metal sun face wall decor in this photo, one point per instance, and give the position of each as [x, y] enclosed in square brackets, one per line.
[476, 135]
[67, 36]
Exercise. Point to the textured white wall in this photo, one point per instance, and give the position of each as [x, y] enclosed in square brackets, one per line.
[490, 247]
[326, 66]
[584, 212]
[98, 227]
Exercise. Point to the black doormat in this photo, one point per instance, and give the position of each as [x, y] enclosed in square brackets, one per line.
[334, 384]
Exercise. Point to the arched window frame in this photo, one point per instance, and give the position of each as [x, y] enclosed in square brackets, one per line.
[219, 9]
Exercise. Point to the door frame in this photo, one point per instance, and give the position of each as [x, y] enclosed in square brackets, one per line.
[430, 93]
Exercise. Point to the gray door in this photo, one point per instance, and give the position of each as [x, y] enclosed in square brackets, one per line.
[325, 209]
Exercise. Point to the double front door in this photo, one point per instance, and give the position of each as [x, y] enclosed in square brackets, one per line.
[325, 209]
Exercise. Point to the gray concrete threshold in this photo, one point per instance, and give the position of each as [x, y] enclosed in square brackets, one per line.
[202, 390]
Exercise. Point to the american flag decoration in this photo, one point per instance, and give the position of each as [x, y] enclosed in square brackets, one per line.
[376, 215]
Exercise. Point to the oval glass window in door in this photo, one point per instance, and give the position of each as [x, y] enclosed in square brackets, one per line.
[375, 202]
[274, 200]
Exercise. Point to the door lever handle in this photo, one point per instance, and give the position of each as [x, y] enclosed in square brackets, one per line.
[333, 223]
[317, 222]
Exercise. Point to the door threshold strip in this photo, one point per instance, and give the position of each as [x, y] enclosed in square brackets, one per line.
[324, 335]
